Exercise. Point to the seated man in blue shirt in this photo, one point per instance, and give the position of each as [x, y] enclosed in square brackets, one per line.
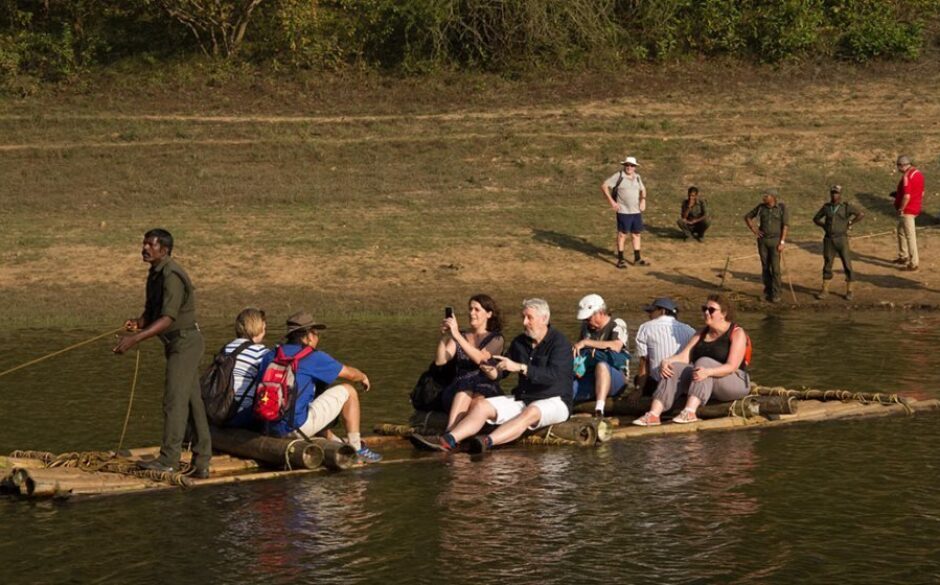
[542, 356]
[318, 402]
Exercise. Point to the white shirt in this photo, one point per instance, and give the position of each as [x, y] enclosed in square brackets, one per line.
[660, 338]
[246, 369]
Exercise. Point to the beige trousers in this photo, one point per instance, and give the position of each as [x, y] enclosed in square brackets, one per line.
[907, 239]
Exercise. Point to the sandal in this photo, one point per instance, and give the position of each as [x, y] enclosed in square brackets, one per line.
[685, 417]
[647, 420]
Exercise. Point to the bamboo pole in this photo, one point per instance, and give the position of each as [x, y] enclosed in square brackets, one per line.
[336, 456]
[274, 451]
[724, 273]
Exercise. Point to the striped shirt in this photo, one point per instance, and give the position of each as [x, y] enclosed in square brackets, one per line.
[245, 374]
[660, 338]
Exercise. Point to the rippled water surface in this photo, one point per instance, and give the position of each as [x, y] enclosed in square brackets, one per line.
[837, 502]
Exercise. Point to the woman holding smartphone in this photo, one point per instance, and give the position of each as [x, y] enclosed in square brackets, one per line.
[713, 363]
[471, 350]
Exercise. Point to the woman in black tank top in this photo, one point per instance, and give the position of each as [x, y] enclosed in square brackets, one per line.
[712, 364]
[471, 352]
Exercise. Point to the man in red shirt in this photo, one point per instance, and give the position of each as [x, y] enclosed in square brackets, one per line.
[908, 200]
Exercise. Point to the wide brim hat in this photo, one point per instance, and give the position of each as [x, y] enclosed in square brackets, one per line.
[630, 161]
[302, 321]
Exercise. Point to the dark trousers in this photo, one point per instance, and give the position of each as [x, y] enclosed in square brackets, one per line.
[770, 265]
[182, 401]
[837, 245]
[696, 230]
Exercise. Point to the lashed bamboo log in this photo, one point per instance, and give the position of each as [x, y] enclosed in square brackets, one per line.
[336, 456]
[277, 452]
[630, 405]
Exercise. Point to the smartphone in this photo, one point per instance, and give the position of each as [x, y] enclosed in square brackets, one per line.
[448, 312]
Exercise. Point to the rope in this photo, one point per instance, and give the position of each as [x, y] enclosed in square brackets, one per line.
[61, 351]
[130, 402]
[290, 446]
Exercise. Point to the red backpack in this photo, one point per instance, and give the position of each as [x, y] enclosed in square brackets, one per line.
[277, 391]
[748, 349]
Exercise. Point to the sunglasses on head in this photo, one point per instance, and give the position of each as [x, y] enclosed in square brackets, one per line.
[709, 310]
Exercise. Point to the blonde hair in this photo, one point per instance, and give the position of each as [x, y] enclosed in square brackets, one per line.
[249, 323]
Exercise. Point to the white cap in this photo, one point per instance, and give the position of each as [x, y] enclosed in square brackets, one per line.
[590, 305]
[630, 160]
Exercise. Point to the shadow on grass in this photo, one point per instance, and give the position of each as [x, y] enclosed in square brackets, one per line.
[575, 244]
[785, 283]
[875, 203]
[682, 279]
[667, 232]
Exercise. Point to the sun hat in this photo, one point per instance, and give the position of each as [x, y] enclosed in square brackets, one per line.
[590, 305]
[662, 303]
[302, 320]
[835, 189]
[630, 160]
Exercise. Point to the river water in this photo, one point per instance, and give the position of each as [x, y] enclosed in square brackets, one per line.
[837, 502]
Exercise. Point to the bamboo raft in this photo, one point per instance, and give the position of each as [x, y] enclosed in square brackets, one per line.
[242, 456]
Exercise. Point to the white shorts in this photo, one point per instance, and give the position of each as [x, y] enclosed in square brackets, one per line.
[553, 410]
[324, 409]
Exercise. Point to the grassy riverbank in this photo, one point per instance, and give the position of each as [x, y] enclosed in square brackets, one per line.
[392, 196]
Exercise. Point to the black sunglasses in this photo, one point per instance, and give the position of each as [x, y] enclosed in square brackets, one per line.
[709, 310]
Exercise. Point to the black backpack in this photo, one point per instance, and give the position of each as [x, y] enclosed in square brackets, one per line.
[426, 395]
[217, 385]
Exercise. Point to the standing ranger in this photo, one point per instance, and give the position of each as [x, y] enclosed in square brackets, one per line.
[170, 314]
[771, 231]
[836, 218]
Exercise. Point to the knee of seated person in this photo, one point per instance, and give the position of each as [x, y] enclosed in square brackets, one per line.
[350, 389]
[532, 413]
[600, 369]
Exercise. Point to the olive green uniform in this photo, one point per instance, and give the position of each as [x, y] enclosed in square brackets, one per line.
[170, 293]
[771, 221]
[695, 211]
[836, 219]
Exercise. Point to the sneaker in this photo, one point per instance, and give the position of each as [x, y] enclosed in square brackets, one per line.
[367, 455]
[910, 268]
[775, 300]
[647, 420]
[685, 417]
[427, 442]
[641, 262]
[621, 263]
[598, 414]
[478, 445]
[901, 261]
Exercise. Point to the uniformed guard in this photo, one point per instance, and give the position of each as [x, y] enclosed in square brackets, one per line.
[836, 218]
[771, 231]
[170, 314]
[693, 216]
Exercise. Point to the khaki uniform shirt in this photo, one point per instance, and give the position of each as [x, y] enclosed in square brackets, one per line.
[700, 209]
[835, 219]
[170, 293]
[771, 219]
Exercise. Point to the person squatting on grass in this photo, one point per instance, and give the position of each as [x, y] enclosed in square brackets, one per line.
[542, 357]
[712, 363]
[693, 216]
[836, 218]
[601, 360]
[626, 195]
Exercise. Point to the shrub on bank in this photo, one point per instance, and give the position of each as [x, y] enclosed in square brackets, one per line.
[54, 40]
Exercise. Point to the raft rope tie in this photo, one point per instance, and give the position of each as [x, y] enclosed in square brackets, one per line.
[61, 351]
[130, 402]
[290, 446]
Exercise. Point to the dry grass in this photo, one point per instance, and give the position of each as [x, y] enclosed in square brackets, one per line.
[402, 200]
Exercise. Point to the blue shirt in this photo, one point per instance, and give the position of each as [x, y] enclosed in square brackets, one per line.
[317, 369]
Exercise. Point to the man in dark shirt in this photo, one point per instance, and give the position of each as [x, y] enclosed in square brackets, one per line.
[170, 314]
[771, 231]
[543, 358]
[836, 218]
[694, 220]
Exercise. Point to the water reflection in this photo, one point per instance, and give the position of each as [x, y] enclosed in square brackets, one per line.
[840, 502]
